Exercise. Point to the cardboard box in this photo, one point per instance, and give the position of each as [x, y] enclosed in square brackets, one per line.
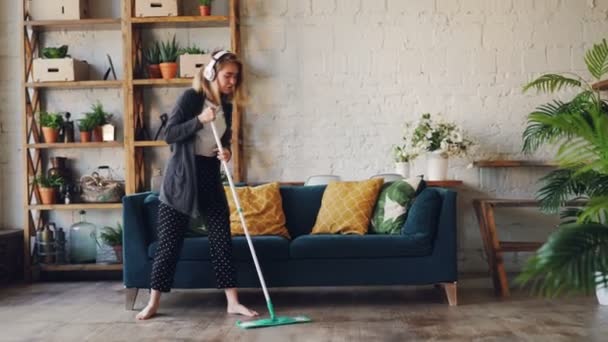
[58, 9]
[189, 65]
[60, 69]
[156, 8]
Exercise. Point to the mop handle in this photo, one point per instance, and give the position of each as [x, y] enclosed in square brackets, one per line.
[240, 212]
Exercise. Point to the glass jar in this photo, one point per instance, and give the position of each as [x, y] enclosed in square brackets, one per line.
[156, 181]
[83, 241]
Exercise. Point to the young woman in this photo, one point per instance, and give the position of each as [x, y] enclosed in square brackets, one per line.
[192, 184]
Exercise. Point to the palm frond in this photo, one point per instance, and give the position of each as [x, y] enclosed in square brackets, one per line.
[562, 185]
[550, 83]
[597, 59]
[596, 210]
[570, 215]
[567, 262]
[538, 133]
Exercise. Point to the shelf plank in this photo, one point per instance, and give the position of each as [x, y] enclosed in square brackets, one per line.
[80, 267]
[75, 206]
[163, 82]
[602, 85]
[514, 163]
[108, 144]
[151, 143]
[190, 21]
[444, 183]
[76, 84]
[73, 24]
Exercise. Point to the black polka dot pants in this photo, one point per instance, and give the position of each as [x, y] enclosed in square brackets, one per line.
[172, 225]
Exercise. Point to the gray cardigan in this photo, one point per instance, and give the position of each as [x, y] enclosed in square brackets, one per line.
[180, 180]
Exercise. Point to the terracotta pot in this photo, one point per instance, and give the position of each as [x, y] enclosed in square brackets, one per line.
[118, 252]
[85, 136]
[47, 195]
[97, 134]
[51, 135]
[154, 71]
[168, 70]
[205, 10]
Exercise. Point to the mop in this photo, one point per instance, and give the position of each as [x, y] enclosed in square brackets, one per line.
[264, 322]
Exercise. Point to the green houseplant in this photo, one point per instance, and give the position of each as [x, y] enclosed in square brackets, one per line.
[47, 187]
[55, 52]
[205, 7]
[169, 51]
[51, 123]
[574, 260]
[98, 117]
[152, 57]
[113, 237]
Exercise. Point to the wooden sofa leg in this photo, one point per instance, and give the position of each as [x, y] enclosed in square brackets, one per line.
[131, 296]
[451, 292]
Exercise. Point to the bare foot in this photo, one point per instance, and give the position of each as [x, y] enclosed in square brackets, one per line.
[148, 312]
[240, 309]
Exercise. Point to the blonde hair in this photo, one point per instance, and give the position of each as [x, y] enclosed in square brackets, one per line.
[210, 88]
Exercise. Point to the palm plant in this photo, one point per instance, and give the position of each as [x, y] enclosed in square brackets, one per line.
[576, 252]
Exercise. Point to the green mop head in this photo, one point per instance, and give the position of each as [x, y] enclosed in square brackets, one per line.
[272, 321]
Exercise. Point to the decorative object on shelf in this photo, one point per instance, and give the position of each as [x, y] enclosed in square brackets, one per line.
[164, 118]
[152, 57]
[86, 126]
[156, 180]
[405, 152]
[46, 244]
[99, 118]
[113, 238]
[168, 58]
[60, 242]
[440, 140]
[58, 9]
[57, 65]
[205, 7]
[99, 189]
[156, 8]
[110, 69]
[47, 187]
[191, 60]
[51, 124]
[67, 130]
[83, 241]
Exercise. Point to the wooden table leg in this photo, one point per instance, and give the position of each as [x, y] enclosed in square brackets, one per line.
[499, 266]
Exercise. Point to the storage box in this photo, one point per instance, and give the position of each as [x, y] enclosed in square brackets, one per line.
[58, 9]
[60, 69]
[156, 8]
[189, 65]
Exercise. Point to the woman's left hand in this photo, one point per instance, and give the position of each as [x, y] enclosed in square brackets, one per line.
[225, 156]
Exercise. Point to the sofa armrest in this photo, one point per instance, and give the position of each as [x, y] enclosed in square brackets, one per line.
[135, 240]
[446, 239]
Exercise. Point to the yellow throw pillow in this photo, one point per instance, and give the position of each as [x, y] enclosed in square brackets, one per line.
[346, 207]
[263, 210]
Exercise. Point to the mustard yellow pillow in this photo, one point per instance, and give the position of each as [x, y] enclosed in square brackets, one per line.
[346, 207]
[263, 210]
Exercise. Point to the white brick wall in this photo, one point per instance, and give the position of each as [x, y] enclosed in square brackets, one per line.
[331, 82]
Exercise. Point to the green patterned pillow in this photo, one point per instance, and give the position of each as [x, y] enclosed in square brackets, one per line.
[392, 205]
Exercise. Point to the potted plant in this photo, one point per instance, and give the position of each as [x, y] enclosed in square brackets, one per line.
[440, 140]
[47, 187]
[98, 117]
[574, 260]
[86, 126]
[205, 7]
[168, 58]
[113, 238]
[51, 124]
[152, 57]
[404, 153]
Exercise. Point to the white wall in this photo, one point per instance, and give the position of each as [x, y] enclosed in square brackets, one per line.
[331, 82]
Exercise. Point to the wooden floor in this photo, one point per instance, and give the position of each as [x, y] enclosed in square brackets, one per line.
[94, 311]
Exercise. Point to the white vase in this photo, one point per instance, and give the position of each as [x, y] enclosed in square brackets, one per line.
[403, 168]
[601, 291]
[436, 166]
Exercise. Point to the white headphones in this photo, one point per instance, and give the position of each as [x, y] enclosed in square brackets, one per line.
[209, 72]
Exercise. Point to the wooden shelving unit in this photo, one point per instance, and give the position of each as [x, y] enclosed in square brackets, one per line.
[132, 88]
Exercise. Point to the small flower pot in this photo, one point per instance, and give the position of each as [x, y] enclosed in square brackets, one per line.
[118, 252]
[85, 137]
[97, 134]
[154, 71]
[48, 195]
[51, 135]
[437, 166]
[168, 70]
[205, 10]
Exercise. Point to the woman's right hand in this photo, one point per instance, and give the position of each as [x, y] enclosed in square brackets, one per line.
[207, 115]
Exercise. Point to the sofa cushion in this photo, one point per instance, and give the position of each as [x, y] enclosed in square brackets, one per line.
[262, 209]
[266, 247]
[423, 216]
[393, 203]
[301, 205]
[346, 207]
[357, 246]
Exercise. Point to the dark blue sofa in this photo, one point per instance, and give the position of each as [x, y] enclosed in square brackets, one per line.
[425, 252]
